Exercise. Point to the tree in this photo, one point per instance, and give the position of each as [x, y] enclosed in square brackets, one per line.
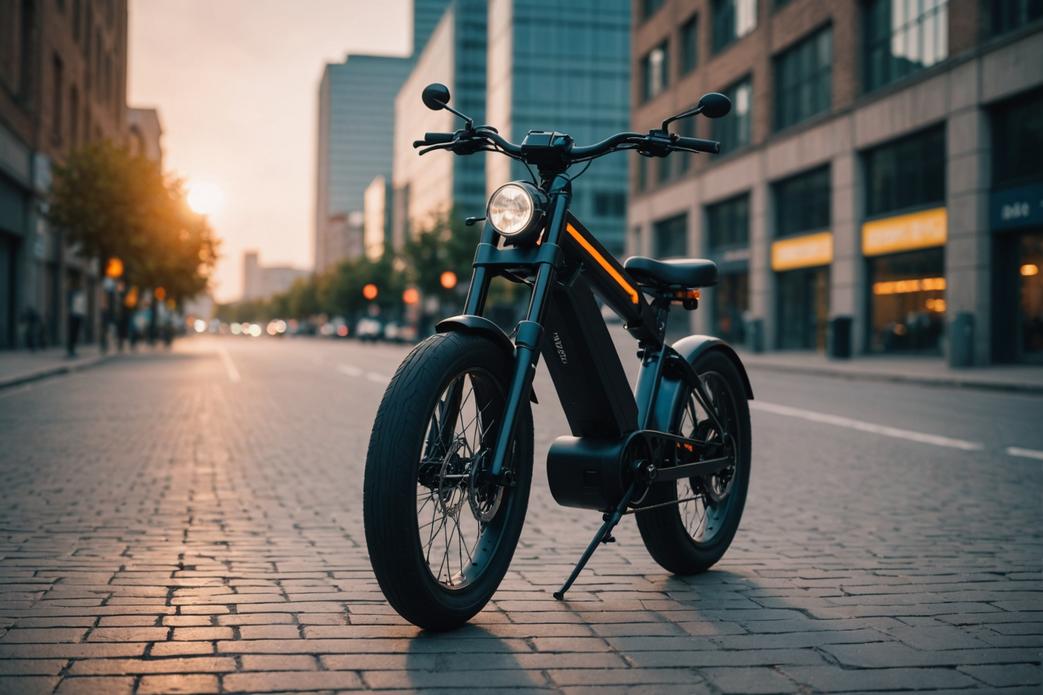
[116, 204]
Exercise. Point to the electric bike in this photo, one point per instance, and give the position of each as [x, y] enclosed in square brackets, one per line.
[450, 457]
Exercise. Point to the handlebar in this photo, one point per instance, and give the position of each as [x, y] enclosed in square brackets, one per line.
[698, 144]
[654, 143]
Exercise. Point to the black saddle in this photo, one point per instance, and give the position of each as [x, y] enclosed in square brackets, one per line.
[676, 272]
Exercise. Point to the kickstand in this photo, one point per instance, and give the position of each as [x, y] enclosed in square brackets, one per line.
[604, 535]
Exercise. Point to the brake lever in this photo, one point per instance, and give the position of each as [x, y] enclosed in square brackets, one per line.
[432, 148]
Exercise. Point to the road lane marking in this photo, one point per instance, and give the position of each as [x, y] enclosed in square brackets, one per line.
[882, 430]
[1024, 453]
[233, 373]
[349, 370]
[378, 378]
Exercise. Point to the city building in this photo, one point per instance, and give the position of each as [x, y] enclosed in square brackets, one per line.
[356, 125]
[63, 67]
[264, 281]
[437, 185]
[880, 186]
[376, 218]
[145, 133]
[426, 14]
[564, 66]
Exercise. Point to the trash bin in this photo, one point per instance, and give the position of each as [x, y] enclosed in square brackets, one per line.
[755, 335]
[961, 340]
[839, 338]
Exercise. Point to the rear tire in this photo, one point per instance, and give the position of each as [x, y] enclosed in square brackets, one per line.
[411, 473]
[674, 537]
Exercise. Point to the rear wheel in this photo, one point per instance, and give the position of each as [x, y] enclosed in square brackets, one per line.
[440, 538]
[691, 536]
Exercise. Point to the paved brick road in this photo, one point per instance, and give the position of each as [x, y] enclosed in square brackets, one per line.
[165, 528]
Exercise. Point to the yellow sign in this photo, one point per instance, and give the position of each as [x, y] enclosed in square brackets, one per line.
[918, 230]
[802, 252]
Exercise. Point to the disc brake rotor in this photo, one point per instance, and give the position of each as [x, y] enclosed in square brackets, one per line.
[484, 496]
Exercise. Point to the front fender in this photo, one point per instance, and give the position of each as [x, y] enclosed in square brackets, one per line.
[479, 325]
[671, 389]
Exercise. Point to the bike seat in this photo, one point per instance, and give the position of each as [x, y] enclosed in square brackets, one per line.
[682, 272]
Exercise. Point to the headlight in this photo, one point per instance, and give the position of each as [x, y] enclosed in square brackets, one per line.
[516, 210]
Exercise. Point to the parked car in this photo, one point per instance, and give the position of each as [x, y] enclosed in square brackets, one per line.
[369, 330]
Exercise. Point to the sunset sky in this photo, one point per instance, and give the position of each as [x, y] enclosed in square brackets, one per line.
[236, 85]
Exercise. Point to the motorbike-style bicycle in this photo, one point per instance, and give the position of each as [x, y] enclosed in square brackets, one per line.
[450, 457]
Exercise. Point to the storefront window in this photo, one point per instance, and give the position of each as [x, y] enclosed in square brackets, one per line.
[802, 203]
[906, 173]
[1017, 140]
[1030, 272]
[731, 299]
[803, 297]
[907, 302]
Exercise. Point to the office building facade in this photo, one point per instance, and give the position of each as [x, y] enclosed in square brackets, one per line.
[63, 68]
[564, 66]
[433, 187]
[356, 125]
[265, 281]
[880, 188]
[426, 15]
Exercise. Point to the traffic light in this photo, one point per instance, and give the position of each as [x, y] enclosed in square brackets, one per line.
[370, 291]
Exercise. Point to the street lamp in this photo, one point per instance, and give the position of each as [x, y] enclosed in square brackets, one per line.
[448, 280]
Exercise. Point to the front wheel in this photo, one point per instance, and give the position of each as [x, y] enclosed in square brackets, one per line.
[440, 538]
[697, 523]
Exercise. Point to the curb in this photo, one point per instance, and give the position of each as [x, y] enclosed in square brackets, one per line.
[923, 380]
[48, 372]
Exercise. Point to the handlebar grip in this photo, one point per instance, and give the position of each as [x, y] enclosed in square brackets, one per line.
[438, 138]
[699, 144]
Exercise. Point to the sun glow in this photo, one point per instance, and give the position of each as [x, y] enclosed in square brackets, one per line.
[205, 197]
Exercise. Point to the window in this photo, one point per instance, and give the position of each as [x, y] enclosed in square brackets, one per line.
[732, 19]
[779, 4]
[906, 173]
[733, 131]
[803, 76]
[670, 237]
[77, 20]
[1017, 140]
[802, 203]
[74, 116]
[642, 172]
[650, 7]
[606, 203]
[689, 45]
[1008, 15]
[654, 70]
[57, 94]
[728, 223]
[902, 37]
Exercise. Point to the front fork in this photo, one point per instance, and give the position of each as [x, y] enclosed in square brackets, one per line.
[529, 331]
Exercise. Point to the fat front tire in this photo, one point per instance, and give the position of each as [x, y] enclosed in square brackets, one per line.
[690, 537]
[440, 540]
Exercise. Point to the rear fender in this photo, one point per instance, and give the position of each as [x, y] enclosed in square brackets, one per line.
[479, 325]
[672, 386]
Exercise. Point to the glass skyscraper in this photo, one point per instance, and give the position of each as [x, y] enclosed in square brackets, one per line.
[564, 66]
[427, 188]
[356, 113]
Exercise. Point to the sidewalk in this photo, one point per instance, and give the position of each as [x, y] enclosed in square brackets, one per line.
[931, 371]
[21, 366]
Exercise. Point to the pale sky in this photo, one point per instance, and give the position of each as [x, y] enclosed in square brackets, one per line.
[236, 84]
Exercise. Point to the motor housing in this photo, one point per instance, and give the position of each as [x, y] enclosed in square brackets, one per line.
[593, 473]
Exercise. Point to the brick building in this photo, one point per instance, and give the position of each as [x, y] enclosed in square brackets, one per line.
[880, 187]
[63, 73]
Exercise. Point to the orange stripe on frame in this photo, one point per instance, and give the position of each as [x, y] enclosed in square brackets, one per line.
[627, 287]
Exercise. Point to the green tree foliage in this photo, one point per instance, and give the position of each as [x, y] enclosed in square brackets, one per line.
[116, 204]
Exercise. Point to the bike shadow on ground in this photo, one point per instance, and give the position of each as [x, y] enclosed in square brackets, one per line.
[468, 657]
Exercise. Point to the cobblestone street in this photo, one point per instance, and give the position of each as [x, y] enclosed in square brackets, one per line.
[192, 522]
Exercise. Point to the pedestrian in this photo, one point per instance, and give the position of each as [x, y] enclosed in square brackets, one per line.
[77, 313]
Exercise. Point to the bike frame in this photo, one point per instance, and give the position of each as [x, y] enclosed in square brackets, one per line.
[564, 267]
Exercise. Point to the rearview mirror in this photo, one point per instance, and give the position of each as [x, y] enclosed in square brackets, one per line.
[435, 96]
[714, 105]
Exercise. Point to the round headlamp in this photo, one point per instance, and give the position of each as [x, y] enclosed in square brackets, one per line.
[516, 210]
